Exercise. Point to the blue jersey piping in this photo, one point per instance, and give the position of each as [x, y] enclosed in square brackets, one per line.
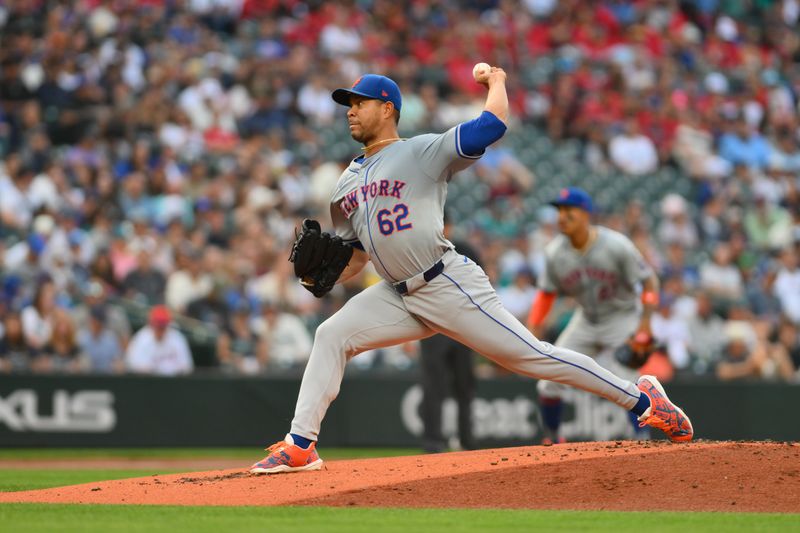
[529, 344]
[369, 228]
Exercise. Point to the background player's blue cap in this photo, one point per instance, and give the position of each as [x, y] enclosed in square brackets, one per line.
[371, 86]
[574, 197]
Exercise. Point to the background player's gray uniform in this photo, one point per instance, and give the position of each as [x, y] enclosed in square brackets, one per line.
[605, 282]
[392, 203]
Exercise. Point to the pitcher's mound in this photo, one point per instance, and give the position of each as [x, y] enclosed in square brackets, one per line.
[628, 476]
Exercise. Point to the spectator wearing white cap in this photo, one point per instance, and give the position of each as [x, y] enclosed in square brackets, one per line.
[742, 356]
[677, 227]
[747, 356]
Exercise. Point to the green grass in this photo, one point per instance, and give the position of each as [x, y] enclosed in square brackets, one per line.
[151, 519]
[186, 453]
[16, 480]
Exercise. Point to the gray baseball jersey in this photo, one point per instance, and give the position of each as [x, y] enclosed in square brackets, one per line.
[392, 204]
[604, 282]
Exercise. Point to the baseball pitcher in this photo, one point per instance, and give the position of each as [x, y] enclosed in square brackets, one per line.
[387, 208]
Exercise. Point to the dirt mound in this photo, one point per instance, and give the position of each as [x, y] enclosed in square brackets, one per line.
[701, 476]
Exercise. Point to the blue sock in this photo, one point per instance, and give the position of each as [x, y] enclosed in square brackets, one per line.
[639, 432]
[551, 413]
[301, 441]
[642, 405]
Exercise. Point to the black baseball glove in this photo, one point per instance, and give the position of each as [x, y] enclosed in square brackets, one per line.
[318, 258]
[636, 350]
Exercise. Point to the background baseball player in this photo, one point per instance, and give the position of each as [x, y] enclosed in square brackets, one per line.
[608, 278]
[387, 207]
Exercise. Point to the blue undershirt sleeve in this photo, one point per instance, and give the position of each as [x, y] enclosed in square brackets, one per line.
[355, 244]
[473, 137]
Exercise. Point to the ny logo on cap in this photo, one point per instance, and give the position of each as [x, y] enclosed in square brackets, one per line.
[564, 193]
[384, 94]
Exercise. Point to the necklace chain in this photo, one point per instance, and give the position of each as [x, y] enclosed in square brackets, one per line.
[382, 142]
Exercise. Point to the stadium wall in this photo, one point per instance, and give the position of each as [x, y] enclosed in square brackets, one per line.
[131, 411]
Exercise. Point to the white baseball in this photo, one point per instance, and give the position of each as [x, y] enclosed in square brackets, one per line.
[480, 71]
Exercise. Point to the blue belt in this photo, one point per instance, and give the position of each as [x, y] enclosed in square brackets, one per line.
[428, 275]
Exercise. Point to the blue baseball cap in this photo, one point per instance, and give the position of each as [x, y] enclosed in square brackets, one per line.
[371, 86]
[36, 243]
[574, 197]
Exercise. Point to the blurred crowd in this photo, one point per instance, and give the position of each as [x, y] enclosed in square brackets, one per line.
[157, 156]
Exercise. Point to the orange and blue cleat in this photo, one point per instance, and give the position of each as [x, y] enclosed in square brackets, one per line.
[662, 413]
[286, 456]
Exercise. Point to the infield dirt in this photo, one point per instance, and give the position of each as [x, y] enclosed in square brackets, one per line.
[629, 476]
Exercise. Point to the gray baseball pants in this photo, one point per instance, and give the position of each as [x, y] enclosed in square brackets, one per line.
[598, 340]
[460, 303]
